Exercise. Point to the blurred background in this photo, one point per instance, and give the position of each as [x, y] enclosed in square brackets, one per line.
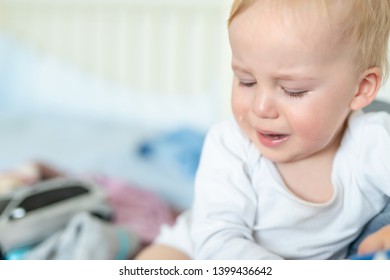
[124, 88]
[126, 58]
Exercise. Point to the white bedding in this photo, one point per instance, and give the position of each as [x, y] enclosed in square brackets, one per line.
[85, 146]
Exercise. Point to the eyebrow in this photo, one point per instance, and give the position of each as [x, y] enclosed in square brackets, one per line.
[281, 76]
[239, 69]
[289, 77]
[278, 76]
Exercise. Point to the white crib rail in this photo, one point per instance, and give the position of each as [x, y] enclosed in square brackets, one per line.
[164, 47]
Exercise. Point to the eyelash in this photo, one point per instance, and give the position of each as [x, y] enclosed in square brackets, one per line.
[295, 94]
[250, 84]
[292, 94]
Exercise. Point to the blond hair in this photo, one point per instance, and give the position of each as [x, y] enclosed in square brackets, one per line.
[365, 22]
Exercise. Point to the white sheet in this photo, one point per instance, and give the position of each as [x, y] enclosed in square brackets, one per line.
[81, 146]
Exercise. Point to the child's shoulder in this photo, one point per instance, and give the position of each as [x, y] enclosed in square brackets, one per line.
[368, 147]
[368, 130]
[369, 122]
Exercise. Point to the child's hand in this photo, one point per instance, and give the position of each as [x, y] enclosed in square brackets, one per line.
[22, 175]
[378, 241]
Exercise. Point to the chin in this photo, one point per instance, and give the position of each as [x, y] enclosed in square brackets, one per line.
[279, 157]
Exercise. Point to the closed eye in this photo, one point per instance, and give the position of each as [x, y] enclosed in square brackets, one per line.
[295, 94]
[247, 84]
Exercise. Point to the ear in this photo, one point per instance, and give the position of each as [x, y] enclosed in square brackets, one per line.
[368, 87]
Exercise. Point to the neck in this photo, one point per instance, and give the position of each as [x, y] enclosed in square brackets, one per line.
[311, 178]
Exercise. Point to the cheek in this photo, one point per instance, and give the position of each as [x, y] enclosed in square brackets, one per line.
[240, 106]
[317, 125]
[311, 130]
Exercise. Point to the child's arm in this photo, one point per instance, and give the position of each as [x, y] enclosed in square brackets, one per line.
[225, 206]
[161, 252]
[378, 241]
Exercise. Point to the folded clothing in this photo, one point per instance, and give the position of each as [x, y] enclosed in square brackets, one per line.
[87, 238]
[84, 238]
[136, 209]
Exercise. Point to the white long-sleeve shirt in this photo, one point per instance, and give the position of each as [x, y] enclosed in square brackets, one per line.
[243, 210]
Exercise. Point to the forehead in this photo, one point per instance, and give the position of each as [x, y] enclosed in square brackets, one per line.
[334, 9]
[306, 30]
[304, 20]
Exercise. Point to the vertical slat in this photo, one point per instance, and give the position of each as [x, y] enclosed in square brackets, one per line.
[55, 31]
[87, 42]
[197, 55]
[133, 50]
[121, 41]
[98, 40]
[170, 74]
[76, 42]
[144, 42]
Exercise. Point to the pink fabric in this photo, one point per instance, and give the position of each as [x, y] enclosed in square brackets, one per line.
[136, 208]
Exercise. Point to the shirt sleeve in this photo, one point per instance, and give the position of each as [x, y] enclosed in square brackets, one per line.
[225, 205]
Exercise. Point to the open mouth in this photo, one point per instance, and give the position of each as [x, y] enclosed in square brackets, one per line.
[271, 139]
[274, 136]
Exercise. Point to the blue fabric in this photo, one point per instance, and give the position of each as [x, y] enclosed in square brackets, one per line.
[180, 149]
[19, 253]
[382, 255]
[124, 245]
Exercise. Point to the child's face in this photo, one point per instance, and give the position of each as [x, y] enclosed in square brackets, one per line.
[293, 82]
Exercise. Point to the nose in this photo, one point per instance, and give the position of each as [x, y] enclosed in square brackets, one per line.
[264, 106]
